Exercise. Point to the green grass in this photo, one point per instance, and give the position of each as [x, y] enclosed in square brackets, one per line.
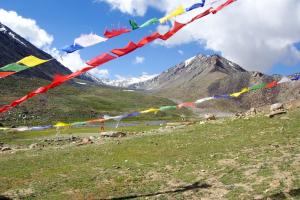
[72, 102]
[30, 137]
[237, 159]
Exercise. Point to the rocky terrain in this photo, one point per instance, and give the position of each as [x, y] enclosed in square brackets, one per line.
[203, 76]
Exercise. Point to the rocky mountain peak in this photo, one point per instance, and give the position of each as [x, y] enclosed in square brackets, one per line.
[191, 70]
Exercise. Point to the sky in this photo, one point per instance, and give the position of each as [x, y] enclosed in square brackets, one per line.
[258, 35]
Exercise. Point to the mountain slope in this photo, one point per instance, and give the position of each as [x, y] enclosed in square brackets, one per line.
[73, 102]
[203, 76]
[82, 99]
[192, 78]
[14, 47]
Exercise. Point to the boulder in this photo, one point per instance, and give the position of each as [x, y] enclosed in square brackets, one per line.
[257, 74]
[92, 138]
[278, 112]
[209, 117]
[33, 146]
[276, 106]
[113, 134]
[86, 141]
[5, 149]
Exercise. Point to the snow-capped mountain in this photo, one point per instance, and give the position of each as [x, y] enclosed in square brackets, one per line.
[125, 82]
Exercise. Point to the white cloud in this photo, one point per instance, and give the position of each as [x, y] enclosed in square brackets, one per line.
[72, 61]
[133, 7]
[180, 52]
[139, 60]
[253, 33]
[27, 28]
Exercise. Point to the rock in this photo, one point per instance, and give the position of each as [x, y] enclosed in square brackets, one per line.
[19, 194]
[170, 127]
[276, 106]
[278, 112]
[74, 138]
[251, 112]
[92, 138]
[86, 141]
[113, 134]
[33, 146]
[5, 149]
[257, 74]
[275, 184]
[258, 197]
[209, 117]
[239, 115]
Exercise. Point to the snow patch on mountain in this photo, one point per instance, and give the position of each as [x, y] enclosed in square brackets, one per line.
[124, 82]
[5, 31]
[189, 61]
[15, 38]
[94, 78]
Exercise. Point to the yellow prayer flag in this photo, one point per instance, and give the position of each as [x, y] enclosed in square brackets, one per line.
[151, 110]
[32, 61]
[61, 124]
[245, 90]
[180, 10]
[237, 94]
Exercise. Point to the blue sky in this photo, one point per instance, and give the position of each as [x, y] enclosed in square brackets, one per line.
[67, 19]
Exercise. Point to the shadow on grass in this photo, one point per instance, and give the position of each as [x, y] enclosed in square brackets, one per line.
[4, 198]
[279, 196]
[194, 186]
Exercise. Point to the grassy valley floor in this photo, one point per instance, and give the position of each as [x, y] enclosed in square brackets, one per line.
[256, 158]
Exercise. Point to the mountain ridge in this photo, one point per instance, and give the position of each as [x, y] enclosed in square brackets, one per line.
[203, 76]
[14, 47]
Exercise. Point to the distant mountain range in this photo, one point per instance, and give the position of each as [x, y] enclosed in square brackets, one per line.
[125, 82]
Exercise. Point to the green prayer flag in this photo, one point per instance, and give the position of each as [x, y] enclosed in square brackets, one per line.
[13, 68]
[79, 124]
[257, 87]
[133, 25]
[150, 22]
[165, 108]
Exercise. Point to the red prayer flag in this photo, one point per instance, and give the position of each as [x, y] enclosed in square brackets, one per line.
[272, 84]
[148, 39]
[99, 60]
[207, 12]
[176, 27]
[5, 74]
[131, 46]
[187, 104]
[215, 10]
[116, 32]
